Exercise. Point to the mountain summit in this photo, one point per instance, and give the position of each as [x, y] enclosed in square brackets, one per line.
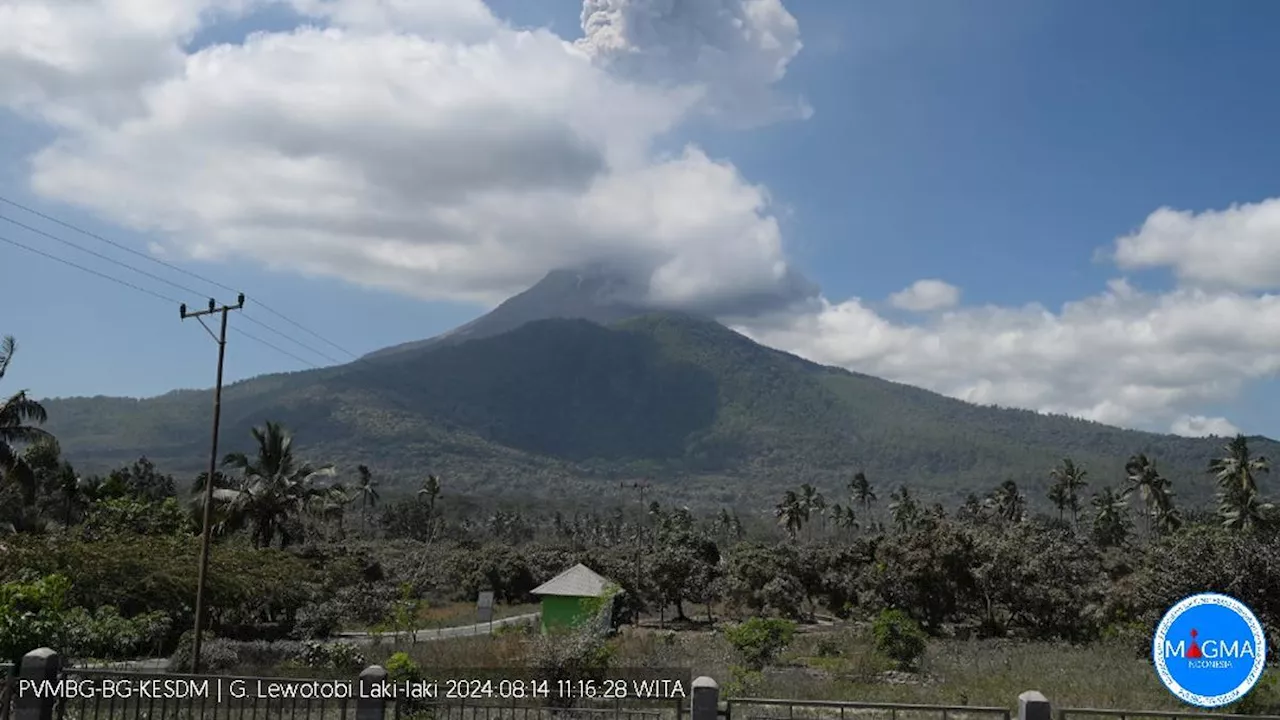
[594, 293]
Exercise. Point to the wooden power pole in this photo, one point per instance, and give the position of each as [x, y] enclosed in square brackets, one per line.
[206, 532]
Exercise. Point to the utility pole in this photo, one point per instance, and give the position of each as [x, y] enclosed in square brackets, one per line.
[207, 532]
[640, 487]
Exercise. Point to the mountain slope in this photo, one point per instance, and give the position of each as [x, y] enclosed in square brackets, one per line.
[593, 293]
[562, 406]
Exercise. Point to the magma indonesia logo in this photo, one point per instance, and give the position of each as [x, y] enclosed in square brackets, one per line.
[1209, 650]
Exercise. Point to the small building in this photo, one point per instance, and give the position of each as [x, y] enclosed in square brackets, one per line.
[574, 597]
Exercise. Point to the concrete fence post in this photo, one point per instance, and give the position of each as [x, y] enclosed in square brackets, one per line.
[1033, 705]
[37, 666]
[370, 703]
[704, 703]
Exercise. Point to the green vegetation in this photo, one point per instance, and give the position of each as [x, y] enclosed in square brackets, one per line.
[557, 409]
[836, 593]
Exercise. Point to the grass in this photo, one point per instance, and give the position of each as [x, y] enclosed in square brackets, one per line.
[953, 672]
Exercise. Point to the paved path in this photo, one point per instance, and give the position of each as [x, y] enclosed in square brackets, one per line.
[440, 633]
[158, 665]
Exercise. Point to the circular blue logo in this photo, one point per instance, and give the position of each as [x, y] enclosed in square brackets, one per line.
[1209, 650]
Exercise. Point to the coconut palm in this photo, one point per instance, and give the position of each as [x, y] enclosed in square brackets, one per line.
[1111, 516]
[1008, 502]
[366, 491]
[1145, 479]
[19, 418]
[271, 489]
[790, 513]
[1237, 473]
[1071, 478]
[862, 492]
[904, 509]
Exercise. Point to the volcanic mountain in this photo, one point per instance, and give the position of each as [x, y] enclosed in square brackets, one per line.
[572, 388]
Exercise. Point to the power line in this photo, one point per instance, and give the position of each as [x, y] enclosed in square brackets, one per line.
[152, 293]
[99, 255]
[114, 244]
[296, 342]
[176, 268]
[273, 347]
[88, 270]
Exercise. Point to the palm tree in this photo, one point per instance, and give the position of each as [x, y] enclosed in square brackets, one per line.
[790, 513]
[1146, 480]
[1058, 496]
[862, 492]
[1237, 476]
[365, 490]
[271, 489]
[811, 502]
[1111, 516]
[431, 490]
[1009, 503]
[1070, 477]
[19, 416]
[904, 508]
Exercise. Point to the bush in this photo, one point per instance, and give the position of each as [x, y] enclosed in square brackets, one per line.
[582, 654]
[828, 647]
[216, 654]
[341, 657]
[401, 668]
[317, 621]
[899, 638]
[759, 640]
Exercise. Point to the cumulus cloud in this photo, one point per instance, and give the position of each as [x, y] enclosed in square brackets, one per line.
[1122, 357]
[1236, 248]
[733, 51]
[926, 295]
[424, 147]
[1201, 426]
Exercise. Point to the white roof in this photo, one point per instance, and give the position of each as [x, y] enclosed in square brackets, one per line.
[577, 581]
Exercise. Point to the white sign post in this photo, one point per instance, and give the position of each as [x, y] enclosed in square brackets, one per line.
[484, 608]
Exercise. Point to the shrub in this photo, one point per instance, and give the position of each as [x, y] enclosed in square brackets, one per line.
[582, 654]
[342, 657]
[317, 621]
[759, 640]
[401, 668]
[827, 647]
[899, 638]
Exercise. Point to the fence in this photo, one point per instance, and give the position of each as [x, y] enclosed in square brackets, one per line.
[42, 689]
[6, 690]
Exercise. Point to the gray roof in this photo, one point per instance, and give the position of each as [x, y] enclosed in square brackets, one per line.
[577, 581]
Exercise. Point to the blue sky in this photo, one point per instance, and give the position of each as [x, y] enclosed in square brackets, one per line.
[995, 146]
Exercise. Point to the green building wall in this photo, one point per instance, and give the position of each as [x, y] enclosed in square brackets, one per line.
[560, 611]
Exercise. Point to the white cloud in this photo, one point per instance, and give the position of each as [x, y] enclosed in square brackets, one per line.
[1121, 357]
[425, 147]
[1201, 426]
[1237, 248]
[419, 146]
[926, 295]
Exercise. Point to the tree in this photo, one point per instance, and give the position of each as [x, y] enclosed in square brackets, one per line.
[1111, 516]
[904, 508]
[862, 492]
[271, 489]
[1145, 479]
[811, 503]
[1008, 502]
[790, 513]
[431, 490]
[19, 418]
[1236, 473]
[1070, 478]
[367, 492]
